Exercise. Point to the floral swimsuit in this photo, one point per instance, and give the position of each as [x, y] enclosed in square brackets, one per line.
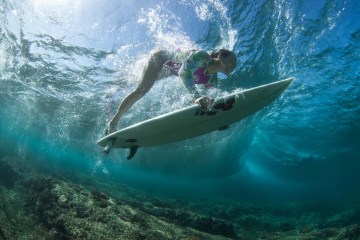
[191, 67]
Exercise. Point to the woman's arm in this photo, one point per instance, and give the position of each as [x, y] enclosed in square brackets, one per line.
[189, 83]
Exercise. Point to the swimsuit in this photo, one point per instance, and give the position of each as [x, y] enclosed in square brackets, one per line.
[191, 67]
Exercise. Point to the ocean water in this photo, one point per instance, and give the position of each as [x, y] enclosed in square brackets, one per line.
[65, 66]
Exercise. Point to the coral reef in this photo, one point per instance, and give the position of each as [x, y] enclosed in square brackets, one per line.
[69, 211]
[8, 175]
[42, 206]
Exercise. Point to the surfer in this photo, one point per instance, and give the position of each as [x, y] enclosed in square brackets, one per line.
[193, 67]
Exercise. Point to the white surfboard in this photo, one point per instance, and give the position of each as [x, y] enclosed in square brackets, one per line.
[194, 121]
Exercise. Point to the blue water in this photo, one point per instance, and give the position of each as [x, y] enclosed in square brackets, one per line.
[66, 65]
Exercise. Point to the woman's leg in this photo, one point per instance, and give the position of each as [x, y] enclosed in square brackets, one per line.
[149, 76]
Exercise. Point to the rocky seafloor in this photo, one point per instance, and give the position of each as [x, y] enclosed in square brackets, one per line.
[35, 205]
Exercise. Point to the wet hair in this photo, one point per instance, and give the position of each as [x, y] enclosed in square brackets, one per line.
[224, 53]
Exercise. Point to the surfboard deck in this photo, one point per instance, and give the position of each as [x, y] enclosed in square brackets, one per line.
[194, 121]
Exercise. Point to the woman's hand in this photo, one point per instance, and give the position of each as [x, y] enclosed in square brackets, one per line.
[205, 102]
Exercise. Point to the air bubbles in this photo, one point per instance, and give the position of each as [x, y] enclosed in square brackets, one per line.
[188, 24]
[203, 12]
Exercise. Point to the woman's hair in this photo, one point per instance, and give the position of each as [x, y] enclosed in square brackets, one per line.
[224, 53]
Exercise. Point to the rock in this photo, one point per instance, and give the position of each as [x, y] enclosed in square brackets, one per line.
[6, 227]
[344, 218]
[70, 212]
[8, 175]
[187, 219]
[352, 232]
[100, 198]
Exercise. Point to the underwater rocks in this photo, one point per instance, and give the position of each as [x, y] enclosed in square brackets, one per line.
[34, 206]
[15, 222]
[69, 211]
[344, 218]
[45, 207]
[6, 228]
[8, 175]
[174, 213]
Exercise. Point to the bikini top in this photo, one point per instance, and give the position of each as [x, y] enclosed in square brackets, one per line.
[191, 67]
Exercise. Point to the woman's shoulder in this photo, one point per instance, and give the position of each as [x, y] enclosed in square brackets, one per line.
[201, 55]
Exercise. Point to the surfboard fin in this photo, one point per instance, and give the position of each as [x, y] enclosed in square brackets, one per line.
[132, 153]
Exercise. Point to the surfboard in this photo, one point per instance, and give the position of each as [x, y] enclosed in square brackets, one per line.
[194, 121]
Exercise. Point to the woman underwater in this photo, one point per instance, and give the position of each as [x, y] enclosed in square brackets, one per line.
[193, 67]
